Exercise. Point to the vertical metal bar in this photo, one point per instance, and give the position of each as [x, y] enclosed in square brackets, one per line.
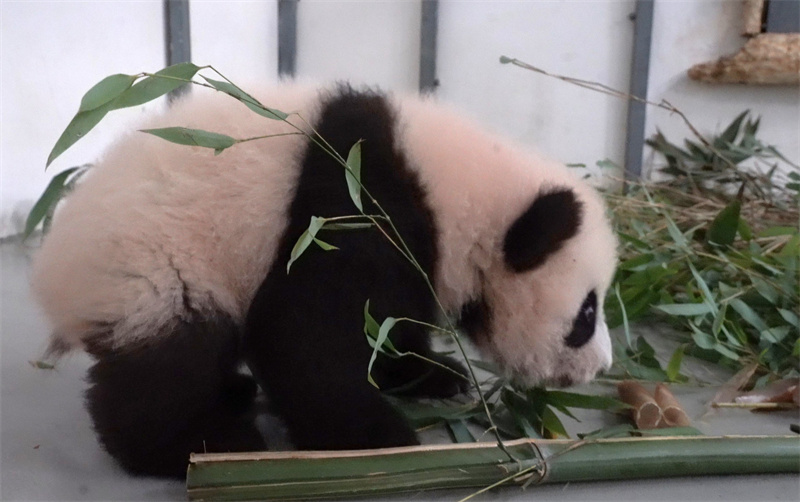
[429, 27]
[640, 69]
[287, 37]
[178, 37]
[783, 16]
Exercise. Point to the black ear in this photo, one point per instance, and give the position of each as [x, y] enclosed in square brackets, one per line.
[541, 230]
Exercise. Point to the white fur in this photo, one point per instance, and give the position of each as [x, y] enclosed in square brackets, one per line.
[479, 186]
[150, 210]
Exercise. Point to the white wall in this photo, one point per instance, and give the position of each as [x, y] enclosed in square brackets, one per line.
[584, 39]
[51, 52]
[687, 33]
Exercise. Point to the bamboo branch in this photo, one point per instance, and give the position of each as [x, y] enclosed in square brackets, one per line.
[324, 475]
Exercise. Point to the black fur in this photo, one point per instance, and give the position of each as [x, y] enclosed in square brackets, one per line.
[305, 342]
[542, 229]
[584, 325]
[475, 319]
[155, 403]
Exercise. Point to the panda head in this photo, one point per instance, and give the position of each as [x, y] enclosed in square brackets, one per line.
[539, 310]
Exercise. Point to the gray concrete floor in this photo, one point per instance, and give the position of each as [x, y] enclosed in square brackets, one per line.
[48, 450]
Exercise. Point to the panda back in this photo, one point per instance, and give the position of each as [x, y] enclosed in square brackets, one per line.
[157, 229]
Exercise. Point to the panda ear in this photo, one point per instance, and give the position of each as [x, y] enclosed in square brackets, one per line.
[542, 229]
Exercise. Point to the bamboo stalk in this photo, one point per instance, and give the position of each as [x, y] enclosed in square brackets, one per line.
[646, 412]
[325, 475]
[673, 413]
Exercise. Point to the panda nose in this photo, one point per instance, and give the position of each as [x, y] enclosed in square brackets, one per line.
[584, 324]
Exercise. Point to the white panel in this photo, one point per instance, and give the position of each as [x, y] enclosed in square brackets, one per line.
[683, 37]
[370, 42]
[582, 39]
[52, 53]
[240, 39]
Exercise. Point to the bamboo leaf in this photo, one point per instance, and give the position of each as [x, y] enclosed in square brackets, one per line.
[748, 314]
[147, 89]
[776, 334]
[79, 126]
[193, 137]
[324, 245]
[248, 100]
[49, 198]
[685, 309]
[459, 431]
[724, 227]
[353, 174]
[790, 317]
[383, 335]
[105, 91]
[156, 85]
[730, 133]
[674, 364]
[305, 240]
[575, 400]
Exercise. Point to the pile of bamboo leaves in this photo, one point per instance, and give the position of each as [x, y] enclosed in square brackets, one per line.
[712, 249]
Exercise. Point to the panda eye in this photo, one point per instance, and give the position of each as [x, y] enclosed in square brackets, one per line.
[584, 323]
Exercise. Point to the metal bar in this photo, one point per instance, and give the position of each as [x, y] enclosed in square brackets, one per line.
[783, 16]
[177, 31]
[429, 27]
[287, 37]
[640, 69]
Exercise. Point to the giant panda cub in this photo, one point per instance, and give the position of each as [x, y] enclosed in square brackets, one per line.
[168, 265]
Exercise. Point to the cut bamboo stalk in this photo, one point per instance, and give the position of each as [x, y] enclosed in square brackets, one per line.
[673, 413]
[646, 412]
[325, 475]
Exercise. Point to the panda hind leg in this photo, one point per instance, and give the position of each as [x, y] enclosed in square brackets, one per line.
[154, 404]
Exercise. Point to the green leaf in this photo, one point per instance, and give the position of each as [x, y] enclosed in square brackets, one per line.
[324, 245]
[553, 424]
[748, 314]
[353, 174]
[685, 309]
[150, 88]
[777, 231]
[702, 339]
[248, 100]
[674, 364]
[745, 232]
[607, 164]
[156, 85]
[49, 198]
[675, 233]
[708, 298]
[575, 400]
[460, 432]
[790, 317]
[766, 290]
[725, 351]
[305, 240]
[108, 89]
[730, 133]
[79, 126]
[776, 334]
[383, 335]
[193, 137]
[723, 229]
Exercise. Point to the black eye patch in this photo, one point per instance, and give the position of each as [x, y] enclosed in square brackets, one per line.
[584, 324]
